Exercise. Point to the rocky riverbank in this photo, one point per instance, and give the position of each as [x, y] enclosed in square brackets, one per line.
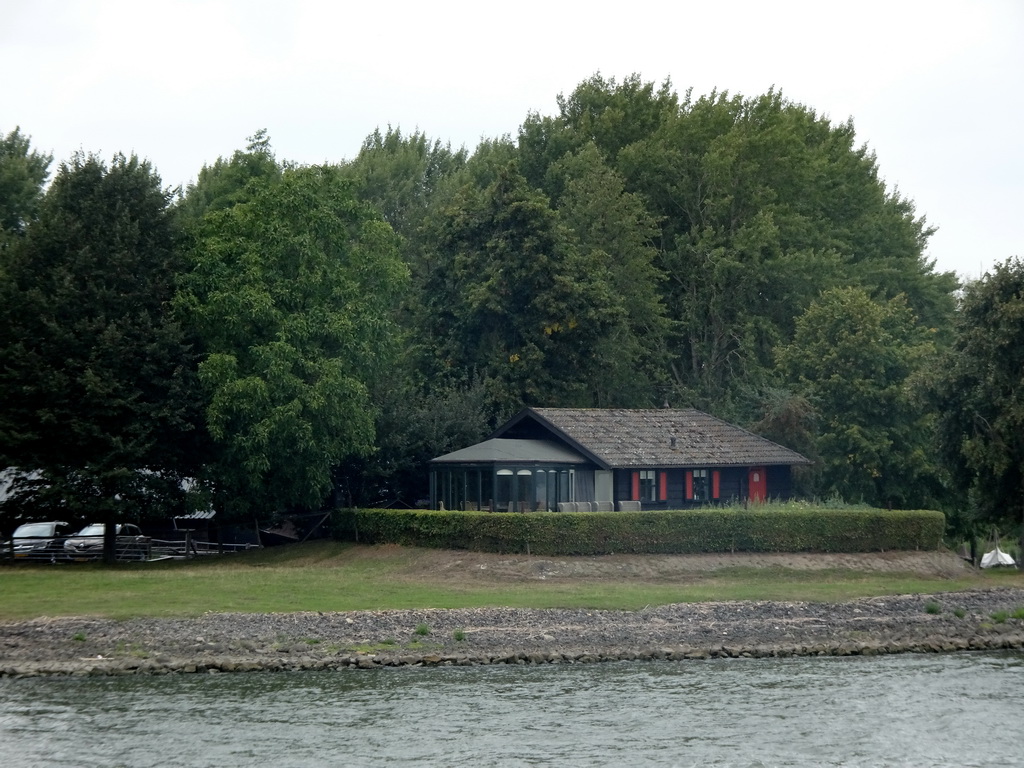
[941, 622]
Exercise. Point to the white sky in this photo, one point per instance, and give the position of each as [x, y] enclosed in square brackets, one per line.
[934, 87]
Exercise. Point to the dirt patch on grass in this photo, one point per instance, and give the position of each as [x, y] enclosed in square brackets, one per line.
[482, 566]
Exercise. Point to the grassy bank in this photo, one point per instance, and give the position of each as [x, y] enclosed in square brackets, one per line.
[328, 576]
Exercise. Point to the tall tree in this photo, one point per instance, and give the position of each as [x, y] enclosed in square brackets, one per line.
[23, 173]
[511, 298]
[408, 178]
[401, 175]
[760, 205]
[765, 204]
[980, 396]
[614, 233]
[857, 361]
[599, 111]
[230, 181]
[96, 386]
[293, 294]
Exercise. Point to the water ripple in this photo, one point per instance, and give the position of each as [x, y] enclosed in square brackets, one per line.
[946, 710]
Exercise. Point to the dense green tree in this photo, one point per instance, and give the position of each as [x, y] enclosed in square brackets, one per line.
[23, 173]
[510, 297]
[790, 419]
[402, 176]
[613, 233]
[408, 178]
[417, 420]
[763, 205]
[599, 111]
[96, 387]
[229, 182]
[980, 396]
[857, 361]
[292, 293]
[705, 228]
[488, 164]
[760, 205]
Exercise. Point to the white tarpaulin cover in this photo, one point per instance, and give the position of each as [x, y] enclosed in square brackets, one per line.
[996, 557]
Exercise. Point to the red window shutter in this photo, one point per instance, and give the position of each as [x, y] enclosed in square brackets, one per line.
[716, 483]
[662, 486]
[689, 484]
[636, 486]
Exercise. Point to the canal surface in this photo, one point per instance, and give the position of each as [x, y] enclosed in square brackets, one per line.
[910, 710]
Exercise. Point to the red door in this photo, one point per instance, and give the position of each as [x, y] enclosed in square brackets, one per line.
[757, 484]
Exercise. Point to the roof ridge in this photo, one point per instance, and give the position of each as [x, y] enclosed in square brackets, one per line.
[615, 439]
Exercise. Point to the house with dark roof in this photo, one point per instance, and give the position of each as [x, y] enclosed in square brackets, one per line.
[603, 459]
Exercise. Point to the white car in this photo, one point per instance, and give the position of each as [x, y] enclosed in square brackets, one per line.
[87, 544]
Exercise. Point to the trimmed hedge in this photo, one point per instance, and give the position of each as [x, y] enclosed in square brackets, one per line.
[790, 527]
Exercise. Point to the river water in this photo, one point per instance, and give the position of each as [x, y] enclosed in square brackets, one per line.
[909, 710]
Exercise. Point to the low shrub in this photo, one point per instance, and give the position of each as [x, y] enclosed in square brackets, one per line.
[776, 527]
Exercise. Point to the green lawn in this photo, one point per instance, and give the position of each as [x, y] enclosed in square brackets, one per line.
[327, 576]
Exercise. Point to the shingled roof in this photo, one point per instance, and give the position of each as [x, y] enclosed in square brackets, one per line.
[653, 438]
[498, 449]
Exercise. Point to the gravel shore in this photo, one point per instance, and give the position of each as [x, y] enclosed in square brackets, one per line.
[940, 622]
